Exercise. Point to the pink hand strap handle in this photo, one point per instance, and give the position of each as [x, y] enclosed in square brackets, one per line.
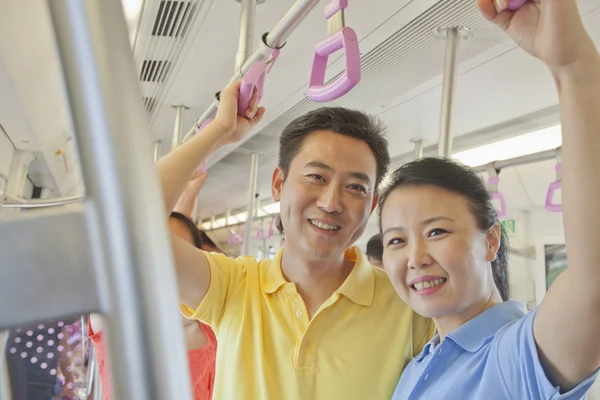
[255, 77]
[271, 230]
[345, 39]
[554, 186]
[514, 5]
[335, 6]
[495, 194]
[260, 233]
[511, 5]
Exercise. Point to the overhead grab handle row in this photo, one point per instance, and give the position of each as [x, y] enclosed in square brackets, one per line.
[556, 185]
[261, 233]
[339, 37]
[275, 39]
[495, 194]
[493, 181]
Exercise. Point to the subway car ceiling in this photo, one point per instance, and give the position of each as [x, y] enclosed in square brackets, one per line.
[185, 57]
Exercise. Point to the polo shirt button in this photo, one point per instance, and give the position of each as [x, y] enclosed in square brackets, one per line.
[298, 313]
[425, 379]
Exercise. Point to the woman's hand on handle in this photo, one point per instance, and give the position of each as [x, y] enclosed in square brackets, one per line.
[567, 321]
[550, 30]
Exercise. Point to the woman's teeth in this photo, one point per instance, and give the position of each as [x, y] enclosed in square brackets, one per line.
[429, 284]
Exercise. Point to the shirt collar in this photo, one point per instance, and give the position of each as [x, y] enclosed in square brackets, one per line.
[359, 287]
[274, 277]
[476, 332]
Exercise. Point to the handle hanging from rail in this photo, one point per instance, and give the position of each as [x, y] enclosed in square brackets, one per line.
[271, 230]
[255, 78]
[495, 194]
[556, 185]
[261, 231]
[342, 38]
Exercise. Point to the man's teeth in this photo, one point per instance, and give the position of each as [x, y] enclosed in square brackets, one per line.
[324, 226]
[429, 284]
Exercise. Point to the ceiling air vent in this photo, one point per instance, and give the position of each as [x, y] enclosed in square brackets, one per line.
[149, 104]
[154, 70]
[173, 18]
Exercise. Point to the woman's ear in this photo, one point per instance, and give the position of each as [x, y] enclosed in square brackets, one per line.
[493, 239]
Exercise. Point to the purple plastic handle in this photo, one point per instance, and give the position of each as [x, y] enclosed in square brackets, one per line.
[550, 206]
[208, 121]
[554, 186]
[271, 230]
[516, 4]
[261, 232]
[500, 197]
[255, 77]
[345, 39]
[335, 6]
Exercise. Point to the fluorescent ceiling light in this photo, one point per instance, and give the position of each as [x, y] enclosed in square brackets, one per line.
[133, 14]
[272, 208]
[529, 143]
[264, 211]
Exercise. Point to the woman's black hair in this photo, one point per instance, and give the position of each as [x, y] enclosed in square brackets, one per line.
[196, 234]
[457, 178]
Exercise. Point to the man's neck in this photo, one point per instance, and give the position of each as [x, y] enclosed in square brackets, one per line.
[316, 279]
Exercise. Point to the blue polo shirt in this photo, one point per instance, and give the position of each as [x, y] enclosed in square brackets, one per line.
[493, 356]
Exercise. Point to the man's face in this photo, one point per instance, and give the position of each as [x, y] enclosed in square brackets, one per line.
[328, 194]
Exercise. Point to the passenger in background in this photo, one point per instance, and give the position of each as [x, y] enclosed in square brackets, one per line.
[375, 251]
[40, 360]
[446, 252]
[200, 339]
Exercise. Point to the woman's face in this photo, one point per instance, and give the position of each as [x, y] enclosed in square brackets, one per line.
[437, 258]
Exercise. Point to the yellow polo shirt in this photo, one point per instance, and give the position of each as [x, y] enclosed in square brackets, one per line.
[355, 347]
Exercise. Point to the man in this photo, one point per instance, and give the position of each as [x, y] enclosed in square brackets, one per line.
[375, 251]
[317, 322]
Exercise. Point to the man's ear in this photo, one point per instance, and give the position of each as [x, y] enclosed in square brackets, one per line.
[277, 183]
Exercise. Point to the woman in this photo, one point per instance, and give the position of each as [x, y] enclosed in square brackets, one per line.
[200, 340]
[446, 254]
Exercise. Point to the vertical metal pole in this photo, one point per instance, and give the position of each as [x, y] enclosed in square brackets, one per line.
[179, 109]
[157, 148]
[144, 333]
[97, 383]
[448, 93]
[418, 154]
[251, 200]
[246, 42]
[17, 178]
[5, 390]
